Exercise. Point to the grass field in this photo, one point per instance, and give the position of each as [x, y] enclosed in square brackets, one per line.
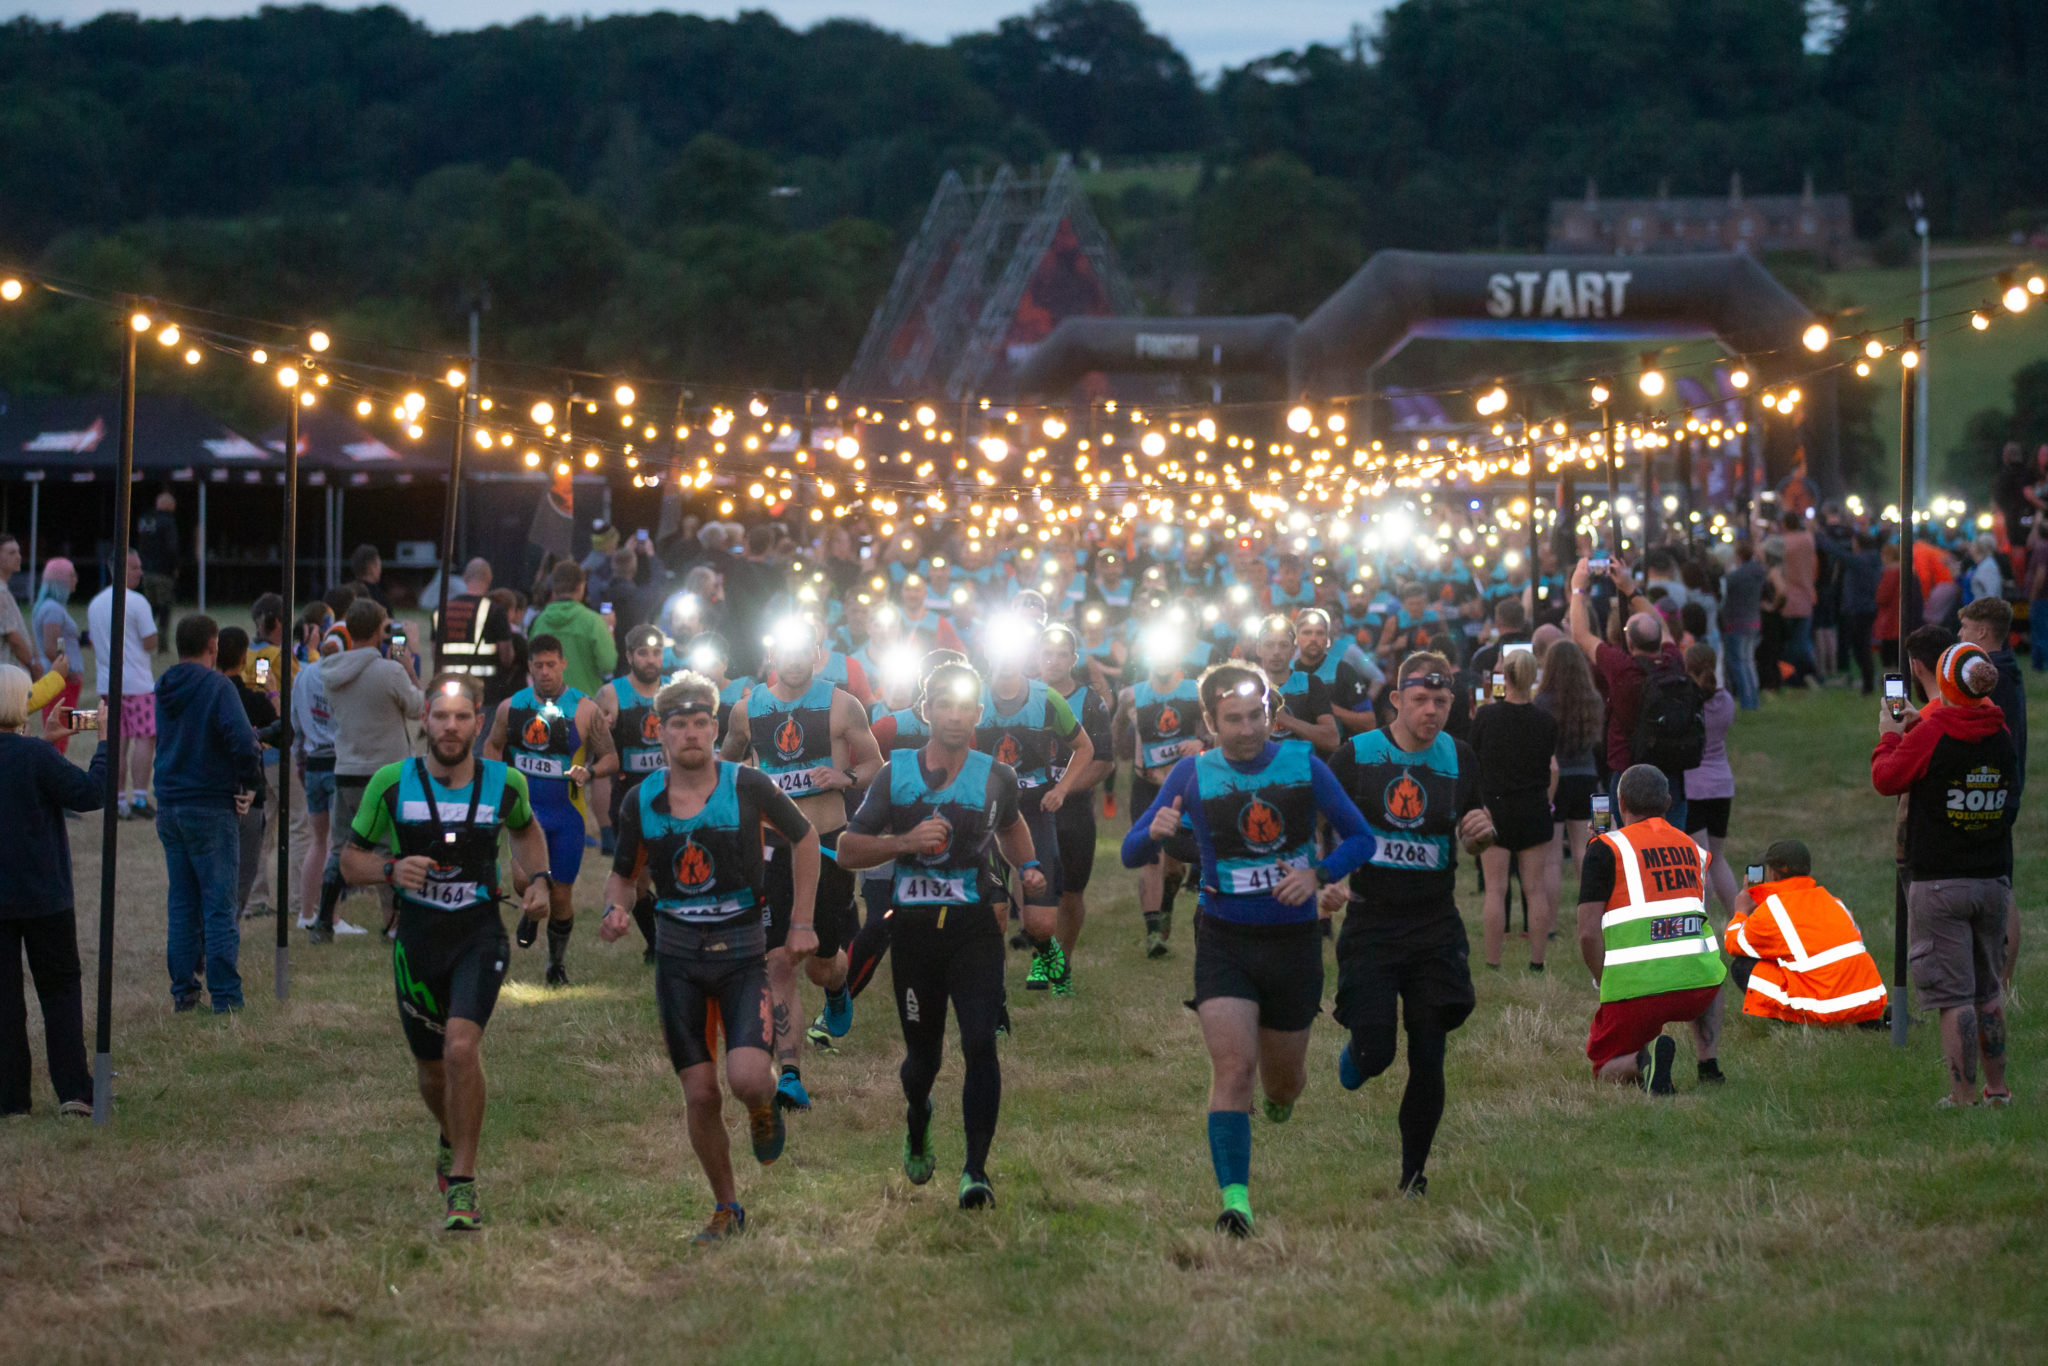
[265, 1192]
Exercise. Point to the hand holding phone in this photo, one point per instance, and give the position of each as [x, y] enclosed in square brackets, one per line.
[1895, 694]
[1753, 875]
[1603, 814]
[83, 720]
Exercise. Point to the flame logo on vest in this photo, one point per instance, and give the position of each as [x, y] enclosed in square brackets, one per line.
[1260, 825]
[537, 733]
[1406, 801]
[933, 860]
[1169, 721]
[694, 869]
[789, 740]
[1007, 751]
[650, 728]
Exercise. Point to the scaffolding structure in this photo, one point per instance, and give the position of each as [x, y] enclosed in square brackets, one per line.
[990, 272]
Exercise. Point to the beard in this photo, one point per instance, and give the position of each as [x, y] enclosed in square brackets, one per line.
[449, 750]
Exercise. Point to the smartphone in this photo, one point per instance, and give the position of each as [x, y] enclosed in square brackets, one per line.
[1598, 564]
[1895, 694]
[398, 640]
[605, 608]
[1603, 814]
[262, 671]
[641, 534]
[1478, 698]
[1755, 874]
[84, 720]
[1500, 686]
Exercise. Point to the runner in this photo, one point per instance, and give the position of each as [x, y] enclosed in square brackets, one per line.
[1419, 790]
[1074, 824]
[546, 731]
[692, 828]
[813, 740]
[938, 814]
[1023, 723]
[627, 705]
[429, 828]
[1157, 723]
[1303, 704]
[895, 728]
[1251, 804]
[1347, 689]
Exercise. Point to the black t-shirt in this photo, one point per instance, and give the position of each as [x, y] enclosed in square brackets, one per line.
[759, 800]
[1596, 877]
[1311, 704]
[1514, 742]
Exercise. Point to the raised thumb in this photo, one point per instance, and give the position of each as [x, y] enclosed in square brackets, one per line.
[1176, 803]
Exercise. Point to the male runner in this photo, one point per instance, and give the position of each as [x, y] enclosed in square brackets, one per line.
[1157, 723]
[813, 740]
[938, 813]
[896, 727]
[1405, 943]
[1302, 704]
[1251, 804]
[694, 827]
[627, 705]
[546, 731]
[1349, 697]
[1022, 724]
[429, 828]
[1074, 824]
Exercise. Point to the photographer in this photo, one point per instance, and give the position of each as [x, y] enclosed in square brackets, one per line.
[374, 702]
[37, 787]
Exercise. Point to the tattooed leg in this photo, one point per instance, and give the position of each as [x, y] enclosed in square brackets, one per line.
[1991, 1044]
[1959, 1047]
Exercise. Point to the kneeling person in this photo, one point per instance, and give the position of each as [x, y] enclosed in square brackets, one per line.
[1799, 955]
[429, 828]
[694, 826]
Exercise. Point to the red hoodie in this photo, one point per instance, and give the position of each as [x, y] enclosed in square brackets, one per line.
[1958, 772]
[1901, 760]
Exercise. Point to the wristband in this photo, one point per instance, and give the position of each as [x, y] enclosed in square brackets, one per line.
[543, 876]
[1033, 863]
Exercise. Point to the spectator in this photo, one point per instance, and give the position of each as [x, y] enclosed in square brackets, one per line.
[1568, 694]
[208, 771]
[476, 636]
[1650, 665]
[1796, 951]
[2037, 594]
[1742, 590]
[589, 653]
[260, 674]
[1956, 766]
[1987, 576]
[2010, 492]
[15, 646]
[138, 703]
[631, 604]
[510, 675]
[1862, 571]
[1515, 742]
[37, 787]
[156, 541]
[1710, 786]
[1987, 624]
[230, 655]
[751, 584]
[1798, 582]
[366, 568]
[313, 756]
[56, 631]
[373, 702]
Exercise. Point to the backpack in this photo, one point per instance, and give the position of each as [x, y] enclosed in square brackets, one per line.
[1671, 732]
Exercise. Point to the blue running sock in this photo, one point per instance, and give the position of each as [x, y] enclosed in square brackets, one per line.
[1230, 1147]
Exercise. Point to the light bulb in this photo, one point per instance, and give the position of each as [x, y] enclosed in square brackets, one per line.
[543, 413]
[319, 341]
[1815, 337]
[623, 395]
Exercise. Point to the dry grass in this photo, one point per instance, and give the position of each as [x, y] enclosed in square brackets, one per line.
[265, 1192]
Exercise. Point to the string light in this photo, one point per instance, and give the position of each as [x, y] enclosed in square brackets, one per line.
[319, 341]
[10, 289]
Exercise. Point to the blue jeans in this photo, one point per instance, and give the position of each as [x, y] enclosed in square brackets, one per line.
[1741, 665]
[202, 855]
[1798, 648]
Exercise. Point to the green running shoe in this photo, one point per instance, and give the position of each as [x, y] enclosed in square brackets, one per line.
[463, 1214]
[1155, 944]
[1040, 976]
[444, 1167]
[817, 1036]
[1056, 969]
[1278, 1113]
[1236, 1219]
[976, 1192]
[919, 1166]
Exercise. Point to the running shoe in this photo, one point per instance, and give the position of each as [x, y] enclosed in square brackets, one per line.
[1155, 944]
[1166, 923]
[1950, 1103]
[344, 928]
[558, 976]
[790, 1093]
[727, 1221]
[1415, 1187]
[1003, 1020]
[1278, 1113]
[1063, 985]
[444, 1166]
[1350, 1075]
[817, 1036]
[976, 1192]
[463, 1214]
[1056, 969]
[141, 810]
[919, 1166]
[1662, 1049]
[527, 932]
[838, 1016]
[82, 1109]
[1040, 976]
[1234, 1223]
[1997, 1100]
[769, 1132]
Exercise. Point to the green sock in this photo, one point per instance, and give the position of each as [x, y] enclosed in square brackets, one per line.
[1238, 1198]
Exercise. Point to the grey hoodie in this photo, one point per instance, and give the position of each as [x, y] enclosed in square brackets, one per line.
[372, 701]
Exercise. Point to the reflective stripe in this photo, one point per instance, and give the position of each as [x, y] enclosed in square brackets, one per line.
[1792, 940]
[1653, 910]
[1813, 1005]
[1627, 860]
[1676, 948]
[1854, 948]
[1742, 938]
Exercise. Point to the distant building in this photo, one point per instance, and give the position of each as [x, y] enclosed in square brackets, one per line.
[1807, 222]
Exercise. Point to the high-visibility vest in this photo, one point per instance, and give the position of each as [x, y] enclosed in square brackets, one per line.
[1654, 927]
[472, 656]
[1812, 966]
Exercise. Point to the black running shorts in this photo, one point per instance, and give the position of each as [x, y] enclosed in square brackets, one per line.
[1074, 830]
[1573, 800]
[1521, 822]
[1415, 959]
[1278, 966]
[698, 1000]
[446, 966]
[835, 917]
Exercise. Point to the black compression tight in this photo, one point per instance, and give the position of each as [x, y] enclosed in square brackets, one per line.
[870, 945]
[961, 963]
[1422, 1102]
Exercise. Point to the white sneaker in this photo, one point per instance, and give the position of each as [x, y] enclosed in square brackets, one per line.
[305, 922]
[343, 927]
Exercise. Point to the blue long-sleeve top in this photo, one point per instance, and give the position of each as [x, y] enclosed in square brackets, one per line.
[1355, 844]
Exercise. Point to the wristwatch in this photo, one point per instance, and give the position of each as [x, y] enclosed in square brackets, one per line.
[389, 865]
[1322, 875]
[543, 876]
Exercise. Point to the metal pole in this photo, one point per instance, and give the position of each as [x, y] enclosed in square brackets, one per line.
[113, 650]
[281, 973]
[1535, 540]
[1909, 619]
[202, 542]
[327, 532]
[35, 518]
[448, 516]
[1607, 440]
[1920, 226]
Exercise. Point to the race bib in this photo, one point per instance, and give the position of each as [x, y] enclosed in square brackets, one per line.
[1159, 756]
[1255, 880]
[706, 908]
[643, 760]
[448, 895]
[1058, 771]
[930, 889]
[1414, 855]
[539, 765]
[794, 783]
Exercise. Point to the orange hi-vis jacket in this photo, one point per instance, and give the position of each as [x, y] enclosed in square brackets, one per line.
[1811, 967]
